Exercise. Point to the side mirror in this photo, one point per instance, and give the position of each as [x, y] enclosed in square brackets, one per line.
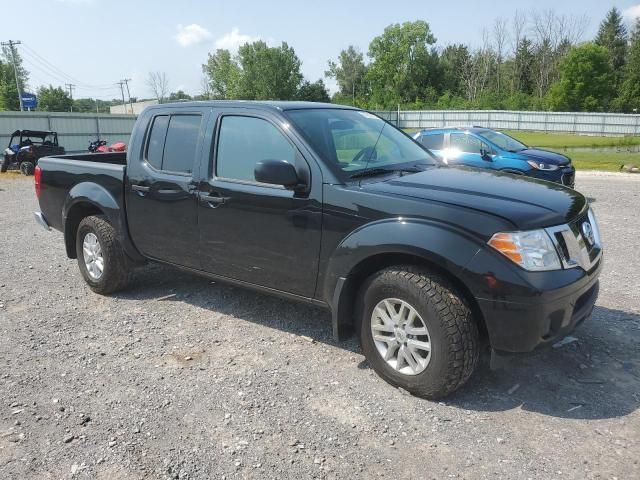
[485, 153]
[276, 172]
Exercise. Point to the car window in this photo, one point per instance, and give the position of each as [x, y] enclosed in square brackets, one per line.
[155, 146]
[433, 142]
[244, 141]
[465, 143]
[181, 143]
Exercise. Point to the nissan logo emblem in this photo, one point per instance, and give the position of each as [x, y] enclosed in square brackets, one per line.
[587, 231]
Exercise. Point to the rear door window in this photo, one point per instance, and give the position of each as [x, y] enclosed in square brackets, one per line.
[181, 143]
[155, 147]
[173, 141]
[433, 142]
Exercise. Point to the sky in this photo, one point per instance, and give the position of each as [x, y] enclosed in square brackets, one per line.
[96, 43]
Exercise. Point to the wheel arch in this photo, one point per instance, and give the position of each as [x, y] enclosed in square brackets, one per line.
[348, 271]
[89, 198]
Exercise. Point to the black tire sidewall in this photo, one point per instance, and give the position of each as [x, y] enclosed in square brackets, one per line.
[393, 286]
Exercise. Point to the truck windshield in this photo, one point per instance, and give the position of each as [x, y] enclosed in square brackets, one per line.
[351, 141]
[503, 141]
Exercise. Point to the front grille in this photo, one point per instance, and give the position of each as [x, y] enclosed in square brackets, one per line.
[574, 248]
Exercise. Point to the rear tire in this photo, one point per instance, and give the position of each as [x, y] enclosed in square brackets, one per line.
[27, 168]
[102, 261]
[443, 331]
[5, 164]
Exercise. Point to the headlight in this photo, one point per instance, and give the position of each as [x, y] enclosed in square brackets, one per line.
[543, 166]
[532, 250]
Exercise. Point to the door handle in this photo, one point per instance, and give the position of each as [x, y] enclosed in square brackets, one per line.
[213, 201]
[140, 189]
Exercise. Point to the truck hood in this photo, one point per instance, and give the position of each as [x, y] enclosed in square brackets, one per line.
[545, 156]
[525, 202]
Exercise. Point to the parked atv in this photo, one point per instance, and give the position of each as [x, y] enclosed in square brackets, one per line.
[26, 147]
[100, 146]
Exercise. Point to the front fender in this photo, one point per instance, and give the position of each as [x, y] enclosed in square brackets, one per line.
[444, 246]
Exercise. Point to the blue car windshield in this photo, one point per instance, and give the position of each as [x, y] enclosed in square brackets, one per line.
[503, 141]
[352, 141]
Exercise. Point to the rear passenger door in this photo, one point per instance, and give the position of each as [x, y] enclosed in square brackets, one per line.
[160, 190]
[434, 142]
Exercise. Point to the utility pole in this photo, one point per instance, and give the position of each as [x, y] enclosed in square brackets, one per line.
[70, 87]
[11, 45]
[124, 105]
[126, 82]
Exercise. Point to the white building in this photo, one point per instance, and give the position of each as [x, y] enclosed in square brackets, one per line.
[135, 108]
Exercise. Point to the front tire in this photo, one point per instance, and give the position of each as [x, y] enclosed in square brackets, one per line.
[417, 332]
[102, 261]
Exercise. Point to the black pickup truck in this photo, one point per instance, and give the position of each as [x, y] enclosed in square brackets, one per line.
[333, 206]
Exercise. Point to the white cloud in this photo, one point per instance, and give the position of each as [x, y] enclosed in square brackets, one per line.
[234, 39]
[192, 34]
[632, 12]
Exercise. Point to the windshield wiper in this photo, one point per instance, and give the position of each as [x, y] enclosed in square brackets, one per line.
[372, 172]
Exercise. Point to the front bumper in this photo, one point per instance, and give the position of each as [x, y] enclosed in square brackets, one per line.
[564, 176]
[552, 306]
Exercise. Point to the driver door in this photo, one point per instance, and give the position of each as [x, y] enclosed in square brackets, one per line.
[254, 232]
[465, 149]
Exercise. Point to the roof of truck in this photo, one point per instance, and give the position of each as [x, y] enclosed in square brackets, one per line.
[267, 104]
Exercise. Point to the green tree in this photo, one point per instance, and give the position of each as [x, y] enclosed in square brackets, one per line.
[402, 64]
[268, 73]
[585, 81]
[179, 95]
[523, 61]
[629, 97]
[452, 61]
[613, 36]
[349, 72]
[313, 92]
[54, 99]
[223, 74]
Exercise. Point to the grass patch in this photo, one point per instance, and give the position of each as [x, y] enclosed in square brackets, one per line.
[603, 160]
[568, 140]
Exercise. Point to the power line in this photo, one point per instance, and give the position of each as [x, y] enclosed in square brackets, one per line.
[53, 68]
[11, 45]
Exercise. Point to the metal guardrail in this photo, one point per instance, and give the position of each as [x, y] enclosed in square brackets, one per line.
[605, 124]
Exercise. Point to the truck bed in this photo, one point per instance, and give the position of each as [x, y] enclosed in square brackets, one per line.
[116, 158]
[77, 176]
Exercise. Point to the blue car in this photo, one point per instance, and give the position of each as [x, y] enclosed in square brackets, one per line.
[485, 148]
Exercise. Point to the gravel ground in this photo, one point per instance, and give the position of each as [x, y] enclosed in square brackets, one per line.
[180, 377]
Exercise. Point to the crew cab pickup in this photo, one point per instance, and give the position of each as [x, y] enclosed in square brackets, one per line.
[333, 206]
